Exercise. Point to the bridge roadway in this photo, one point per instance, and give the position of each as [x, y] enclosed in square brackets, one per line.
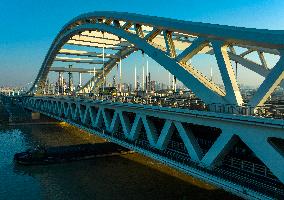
[134, 126]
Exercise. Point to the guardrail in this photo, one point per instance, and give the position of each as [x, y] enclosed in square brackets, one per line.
[269, 110]
[275, 111]
[248, 180]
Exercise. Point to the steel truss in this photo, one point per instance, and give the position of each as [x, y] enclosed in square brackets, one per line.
[93, 115]
[162, 39]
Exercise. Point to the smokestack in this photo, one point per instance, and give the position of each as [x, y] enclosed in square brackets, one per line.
[94, 77]
[143, 81]
[70, 84]
[80, 79]
[169, 80]
[117, 78]
[113, 81]
[120, 75]
[175, 83]
[147, 66]
[149, 81]
[135, 79]
[146, 84]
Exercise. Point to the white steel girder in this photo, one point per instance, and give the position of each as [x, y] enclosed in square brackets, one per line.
[130, 29]
[254, 132]
[272, 80]
[201, 89]
[108, 66]
[75, 52]
[233, 94]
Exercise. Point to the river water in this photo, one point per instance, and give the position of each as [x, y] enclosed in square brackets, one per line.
[130, 176]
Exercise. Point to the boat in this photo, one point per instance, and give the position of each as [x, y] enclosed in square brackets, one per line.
[41, 155]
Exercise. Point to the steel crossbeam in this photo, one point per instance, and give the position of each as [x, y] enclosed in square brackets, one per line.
[171, 43]
[181, 41]
[112, 115]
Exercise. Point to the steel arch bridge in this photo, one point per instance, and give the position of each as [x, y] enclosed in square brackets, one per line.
[172, 43]
[162, 39]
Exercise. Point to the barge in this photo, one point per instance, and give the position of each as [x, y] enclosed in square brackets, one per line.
[41, 155]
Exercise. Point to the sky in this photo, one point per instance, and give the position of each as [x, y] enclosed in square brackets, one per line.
[29, 26]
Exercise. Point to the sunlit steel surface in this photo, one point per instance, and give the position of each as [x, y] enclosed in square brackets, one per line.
[162, 39]
[172, 43]
[112, 121]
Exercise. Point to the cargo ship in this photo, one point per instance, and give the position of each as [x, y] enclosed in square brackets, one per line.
[42, 155]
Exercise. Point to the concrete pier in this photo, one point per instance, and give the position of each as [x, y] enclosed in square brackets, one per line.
[35, 115]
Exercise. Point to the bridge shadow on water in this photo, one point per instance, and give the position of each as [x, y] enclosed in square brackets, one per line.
[129, 176]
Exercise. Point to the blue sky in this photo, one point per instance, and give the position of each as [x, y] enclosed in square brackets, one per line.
[28, 27]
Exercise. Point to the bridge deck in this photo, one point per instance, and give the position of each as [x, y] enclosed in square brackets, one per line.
[137, 127]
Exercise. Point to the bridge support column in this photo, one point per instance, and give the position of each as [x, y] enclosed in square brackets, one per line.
[35, 115]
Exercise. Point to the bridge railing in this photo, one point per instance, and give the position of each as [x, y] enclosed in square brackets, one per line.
[269, 188]
[175, 152]
[268, 111]
[275, 111]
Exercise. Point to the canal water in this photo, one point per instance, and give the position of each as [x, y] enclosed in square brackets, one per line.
[130, 176]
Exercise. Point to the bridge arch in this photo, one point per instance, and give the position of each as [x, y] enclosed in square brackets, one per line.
[219, 40]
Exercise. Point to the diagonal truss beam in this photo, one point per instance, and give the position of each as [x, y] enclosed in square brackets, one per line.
[253, 66]
[262, 59]
[255, 135]
[154, 33]
[265, 152]
[219, 149]
[258, 40]
[197, 45]
[246, 52]
[233, 94]
[171, 50]
[203, 88]
[270, 83]
[181, 36]
[139, 31]
[108, 67]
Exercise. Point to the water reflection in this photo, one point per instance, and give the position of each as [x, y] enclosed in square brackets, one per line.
[111, 178]
[129, 176]
[13, 185]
